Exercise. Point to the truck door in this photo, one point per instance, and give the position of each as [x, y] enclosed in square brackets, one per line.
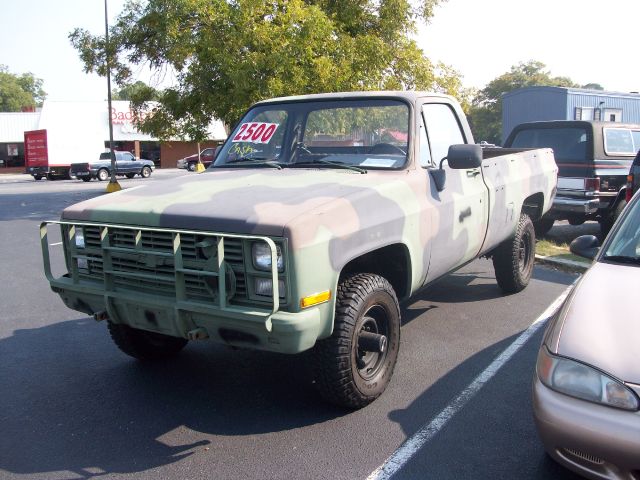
[461, 209]
[125, 163]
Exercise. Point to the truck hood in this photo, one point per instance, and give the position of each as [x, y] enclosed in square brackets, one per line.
[601, 326]
[244, 201]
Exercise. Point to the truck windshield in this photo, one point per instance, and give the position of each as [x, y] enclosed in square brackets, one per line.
[352, 133]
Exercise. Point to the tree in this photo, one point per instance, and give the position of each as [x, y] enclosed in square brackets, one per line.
[19, 91]
[134, 91]
[225, 55]
[485, 113]
[592, 86]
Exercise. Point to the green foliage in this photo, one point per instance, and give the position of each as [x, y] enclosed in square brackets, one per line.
[18, 91]
[227, 54]
[138, 91]
[593, 86]
[485, 114]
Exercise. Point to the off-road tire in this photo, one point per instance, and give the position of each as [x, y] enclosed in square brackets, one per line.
[344, 374]
[103, 174]
[129, 175]
[543, 226]
[144, 345]
[191, 167]
[145, 172]
[514, 258]
[607, 222]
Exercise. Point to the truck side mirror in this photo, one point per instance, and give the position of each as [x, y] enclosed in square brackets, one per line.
[586, 246]
[461, 157]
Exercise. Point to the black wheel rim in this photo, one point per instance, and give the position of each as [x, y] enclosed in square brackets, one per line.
[525, 251]
[374, 320]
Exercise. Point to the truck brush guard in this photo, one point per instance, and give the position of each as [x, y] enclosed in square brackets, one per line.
[202, 272]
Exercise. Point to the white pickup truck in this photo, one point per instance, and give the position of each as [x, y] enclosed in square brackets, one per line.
[318, 215]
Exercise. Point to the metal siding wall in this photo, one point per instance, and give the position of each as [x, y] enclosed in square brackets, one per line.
[630, 106]
[531, 105]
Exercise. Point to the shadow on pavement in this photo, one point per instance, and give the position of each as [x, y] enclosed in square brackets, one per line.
[501, 410]
[91, 410]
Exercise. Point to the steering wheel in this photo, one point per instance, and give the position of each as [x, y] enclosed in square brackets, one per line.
[382, 148]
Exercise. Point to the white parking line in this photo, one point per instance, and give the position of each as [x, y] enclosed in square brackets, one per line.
[54, 244]
[409, 448]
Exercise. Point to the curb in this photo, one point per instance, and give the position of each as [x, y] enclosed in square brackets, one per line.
[560, 262]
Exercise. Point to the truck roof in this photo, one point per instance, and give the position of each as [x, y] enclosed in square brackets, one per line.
[410, 96]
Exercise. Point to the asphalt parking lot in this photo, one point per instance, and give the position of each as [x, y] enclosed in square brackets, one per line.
[73, 406]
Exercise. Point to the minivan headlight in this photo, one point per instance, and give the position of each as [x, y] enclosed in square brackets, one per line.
[578, 380]
[261, 254]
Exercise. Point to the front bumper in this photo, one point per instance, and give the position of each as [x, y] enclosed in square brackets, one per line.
[290, 332]
[182, 163]
[593, 440]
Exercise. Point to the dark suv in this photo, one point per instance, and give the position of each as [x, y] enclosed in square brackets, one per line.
[593, 160]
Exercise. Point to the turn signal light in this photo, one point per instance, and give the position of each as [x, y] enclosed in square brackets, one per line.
[315, 299]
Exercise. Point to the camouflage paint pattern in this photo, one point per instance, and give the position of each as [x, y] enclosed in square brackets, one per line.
[329, 217]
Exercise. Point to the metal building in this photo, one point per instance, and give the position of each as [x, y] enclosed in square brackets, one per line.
[562, 103]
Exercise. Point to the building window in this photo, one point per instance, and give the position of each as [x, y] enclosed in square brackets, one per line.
[612, 115]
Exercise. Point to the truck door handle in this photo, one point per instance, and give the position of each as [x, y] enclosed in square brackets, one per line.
[473, 173]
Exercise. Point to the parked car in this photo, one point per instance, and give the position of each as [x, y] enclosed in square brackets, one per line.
[593, 160]
[207, 156]
[126, 164]
[633, 179]
[586, 391]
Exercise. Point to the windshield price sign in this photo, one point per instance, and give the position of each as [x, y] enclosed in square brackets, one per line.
[255, 132]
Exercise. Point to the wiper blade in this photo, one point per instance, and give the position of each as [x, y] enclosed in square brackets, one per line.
[251, 162]
[318, 162]
[622, 259]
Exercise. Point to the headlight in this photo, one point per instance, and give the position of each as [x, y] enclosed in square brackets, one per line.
[262, 256]
[79, 238]
[264, 287]
[584, 382]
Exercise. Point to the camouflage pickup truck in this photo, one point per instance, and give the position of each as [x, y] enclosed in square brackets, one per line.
[319, 214]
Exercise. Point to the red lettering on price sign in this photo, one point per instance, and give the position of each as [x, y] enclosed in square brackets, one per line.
[255, 132]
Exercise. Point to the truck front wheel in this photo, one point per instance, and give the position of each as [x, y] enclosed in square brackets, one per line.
[513, 259]
[354, 366]
[144, 345]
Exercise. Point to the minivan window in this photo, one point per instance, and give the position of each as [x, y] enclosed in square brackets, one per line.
[567, 143]
[618, 141]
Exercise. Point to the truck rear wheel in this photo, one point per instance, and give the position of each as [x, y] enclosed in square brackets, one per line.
[103, 174]
[513, 259]
[144, 345]
[354, 366]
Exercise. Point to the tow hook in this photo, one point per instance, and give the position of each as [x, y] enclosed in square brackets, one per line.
[372, 342]
[99, 316]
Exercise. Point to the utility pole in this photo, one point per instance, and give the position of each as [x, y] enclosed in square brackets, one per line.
[113, 185]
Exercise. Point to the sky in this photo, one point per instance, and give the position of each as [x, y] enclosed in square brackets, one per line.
[587, 40]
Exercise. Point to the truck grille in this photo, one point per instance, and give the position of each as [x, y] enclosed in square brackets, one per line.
[144, 261]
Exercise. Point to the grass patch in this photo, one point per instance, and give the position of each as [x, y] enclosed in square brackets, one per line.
[547, 248]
